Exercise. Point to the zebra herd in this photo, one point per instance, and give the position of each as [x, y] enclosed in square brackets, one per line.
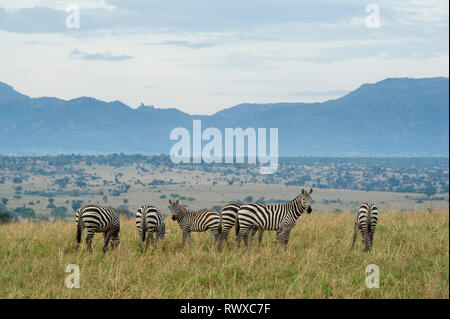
[246, 218]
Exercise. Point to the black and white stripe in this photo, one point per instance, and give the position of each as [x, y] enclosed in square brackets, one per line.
[228, 213]
[98, 219]
[281, 218]
[366, 220]
[190, 221]
[149, 221]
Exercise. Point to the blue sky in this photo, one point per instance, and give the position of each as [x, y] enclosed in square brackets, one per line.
[204, 55]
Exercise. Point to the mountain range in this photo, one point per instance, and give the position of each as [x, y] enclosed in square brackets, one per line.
[393, 117]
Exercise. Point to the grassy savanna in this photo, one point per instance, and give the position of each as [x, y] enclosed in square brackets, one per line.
[411, 250]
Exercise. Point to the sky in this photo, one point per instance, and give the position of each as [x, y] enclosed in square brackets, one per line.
[202, 56]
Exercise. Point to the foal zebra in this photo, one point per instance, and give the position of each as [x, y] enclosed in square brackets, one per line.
[98, 219]
[366, 220]
[149, 220]
[190, 221]
[281, 218]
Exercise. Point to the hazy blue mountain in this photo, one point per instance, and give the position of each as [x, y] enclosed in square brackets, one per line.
[401, 116]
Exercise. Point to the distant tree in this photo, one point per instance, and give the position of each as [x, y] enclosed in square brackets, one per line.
[163, 196]
[125, 201]
[248, 199]
[6, 217]
[25, 212]
[76, 204]
[5, 201]
[80, 184]
[62, 182]
[3, 208]
[105, 199]
[59, 212]
[17, 180]
[430, 190]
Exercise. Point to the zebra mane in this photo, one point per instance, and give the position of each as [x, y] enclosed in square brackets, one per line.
[184, 210]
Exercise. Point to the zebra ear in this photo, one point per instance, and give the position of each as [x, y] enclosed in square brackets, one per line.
[303, 191]
[170, 202]
[177, 201]
[310, 191]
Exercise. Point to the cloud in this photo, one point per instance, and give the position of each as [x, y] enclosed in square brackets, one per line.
[184, 43]
[99, 56]
[191, 45]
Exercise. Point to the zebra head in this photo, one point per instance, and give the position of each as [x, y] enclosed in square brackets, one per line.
[175, 209]
[163, 232]
[115, 241]
[305, 200]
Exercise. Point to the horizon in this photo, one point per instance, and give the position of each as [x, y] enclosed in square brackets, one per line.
[224, 108]
[200, 57]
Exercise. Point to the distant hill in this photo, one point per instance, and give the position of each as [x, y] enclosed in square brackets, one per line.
[393, 117]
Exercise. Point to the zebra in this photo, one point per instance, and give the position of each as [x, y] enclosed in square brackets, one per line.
[190, 221]
[228, 213]
[98, 219]
[366, 220]
[149, 220]
[281, 218]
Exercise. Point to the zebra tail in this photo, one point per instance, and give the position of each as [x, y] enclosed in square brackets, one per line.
[237, 226]
[79, 229]
[221, 224]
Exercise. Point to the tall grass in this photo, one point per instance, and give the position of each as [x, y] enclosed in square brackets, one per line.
[411, 250]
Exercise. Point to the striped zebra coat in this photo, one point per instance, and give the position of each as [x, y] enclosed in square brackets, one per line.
[281, 218]
[366, 221]
[228, 213]
[190, 221]
[149, 221]
[98, 219]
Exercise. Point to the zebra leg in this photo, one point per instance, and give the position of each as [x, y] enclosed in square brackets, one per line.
[152, 239]
[286, 236]
[252, 232]
[89, 238]
[261, 232]
[238, 242]
[142, 238]
[355, 234]
[246, 237]
[149, 238]
[189, 238]
[213, 239]
[223, 236]
[107, 237]
[216, 238]
[184, 239]
[367, 241]
[157, 235]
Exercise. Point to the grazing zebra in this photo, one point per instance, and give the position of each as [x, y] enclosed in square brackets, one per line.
[366, 220]
[281, 218]
[149, 220]
[228, 213]
[98, 219]
[190, 221]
